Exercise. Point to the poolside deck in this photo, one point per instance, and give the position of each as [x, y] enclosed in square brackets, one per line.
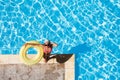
[12, 68]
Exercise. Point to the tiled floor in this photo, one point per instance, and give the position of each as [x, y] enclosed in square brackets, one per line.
[10, 64]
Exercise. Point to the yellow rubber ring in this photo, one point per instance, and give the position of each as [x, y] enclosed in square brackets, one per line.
[34, 60]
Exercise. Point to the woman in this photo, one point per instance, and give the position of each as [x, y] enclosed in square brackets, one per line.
[47, 49]
[60, 58]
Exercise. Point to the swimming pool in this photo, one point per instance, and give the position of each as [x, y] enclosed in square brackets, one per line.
[94, 25]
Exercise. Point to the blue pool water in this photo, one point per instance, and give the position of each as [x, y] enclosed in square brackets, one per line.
[88, 28]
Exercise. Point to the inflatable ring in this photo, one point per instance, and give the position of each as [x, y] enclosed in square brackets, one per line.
[34, 60]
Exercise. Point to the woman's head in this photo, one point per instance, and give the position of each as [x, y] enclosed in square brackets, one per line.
[47, 47]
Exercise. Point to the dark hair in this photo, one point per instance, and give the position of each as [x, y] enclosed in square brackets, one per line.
[49, 44]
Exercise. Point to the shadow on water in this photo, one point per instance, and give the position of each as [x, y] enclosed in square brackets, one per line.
[77, 50]
[81, 48]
